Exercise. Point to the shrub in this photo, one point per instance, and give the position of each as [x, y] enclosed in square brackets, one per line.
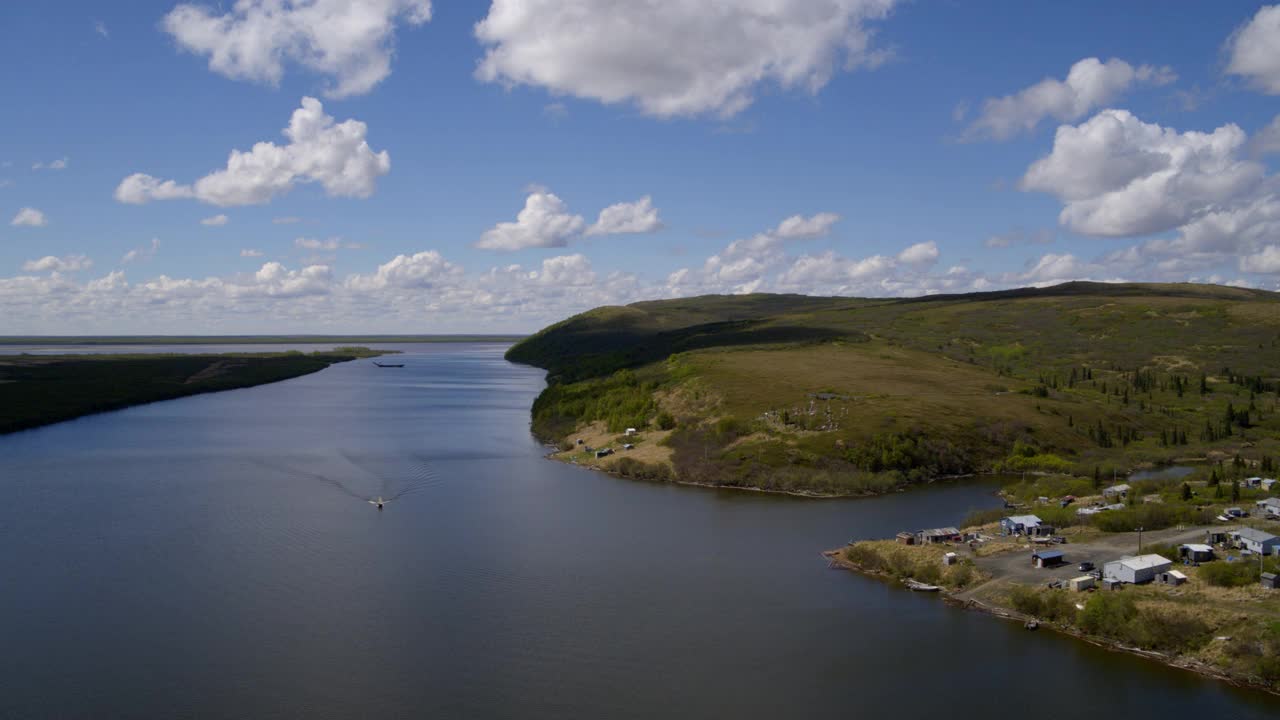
[1229, 574]
[1108, 614]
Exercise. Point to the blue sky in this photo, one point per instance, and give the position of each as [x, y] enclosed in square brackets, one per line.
[857, 147]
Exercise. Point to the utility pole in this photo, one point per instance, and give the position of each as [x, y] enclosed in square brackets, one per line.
[1139, 539]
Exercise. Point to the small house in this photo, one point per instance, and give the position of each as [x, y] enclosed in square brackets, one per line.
[1269, 507]
[1109, 584]
[1019, 524]
[1254, 540]
[906, 538]
[1171, 577]
[1270, 581]
[938, 535]
[950, 559]
[1253, 482]
[631, 432]
[1195, 552]
[1047, 558]
[1137, 569]
[1116, 491]
[1082, 583]
[1217, 536]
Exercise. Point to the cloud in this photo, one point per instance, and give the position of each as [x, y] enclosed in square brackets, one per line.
[59, 164]
[555, 110]
[1266, 140]
[215, 221]
[1090, 84]
[29, 217]
[250, 253]
[333, 243]
[544, 222]
[920, 254]
[101, 28]
[1266, 260]
[66, 263]
[145, 252]
[684, 58]
[285, 220]
[1252, 51]
[335, 155]
[1119, 176]
[1019, 237]
[627, 218]
[350, 43]
[798, 226]
[420, 270]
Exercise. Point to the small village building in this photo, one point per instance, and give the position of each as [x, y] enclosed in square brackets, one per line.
[1082, 583]
[1271, 581]
[1116, 491]
[1217, 537]
[630, 432]
[1138, 569]
[906, 538]
[1254, 540]
[1171, 577]
[1195, 552]
[1269, 507]
[1019, 524]
[938, 535]
[1109, 584]
[950, 559]
[1253, 482]
[1047, 558]
[1268, 483]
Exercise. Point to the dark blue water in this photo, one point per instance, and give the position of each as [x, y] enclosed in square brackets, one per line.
[215, 557]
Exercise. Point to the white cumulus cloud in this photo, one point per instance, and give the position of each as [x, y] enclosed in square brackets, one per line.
[333, 243]
[545, 222]
[1267, 260]
[66, 263]
[1119, 176]
[215, 221]
[1254, 51]
[335, 155]
[920, 254]
[679, 57]
[350, 42]
[627, 218]
[1090, 84]
[59, 164]
[29, 217]
[250, 253]
[420, 270]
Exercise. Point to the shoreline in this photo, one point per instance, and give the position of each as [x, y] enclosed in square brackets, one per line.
[953, 599]
[220, 375]
[551, 456]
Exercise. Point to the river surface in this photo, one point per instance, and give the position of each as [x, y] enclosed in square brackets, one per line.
[214, 556]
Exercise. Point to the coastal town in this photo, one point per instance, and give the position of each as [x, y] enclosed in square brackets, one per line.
[1200, 595]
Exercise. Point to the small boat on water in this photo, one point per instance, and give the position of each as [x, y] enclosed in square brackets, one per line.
[918, 586]
[375, 362]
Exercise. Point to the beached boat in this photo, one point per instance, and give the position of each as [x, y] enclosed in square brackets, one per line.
[918, 586]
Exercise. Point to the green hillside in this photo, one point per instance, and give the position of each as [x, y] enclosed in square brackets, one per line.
[844, 395]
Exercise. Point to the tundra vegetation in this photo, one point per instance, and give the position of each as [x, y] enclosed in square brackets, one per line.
[846, 396]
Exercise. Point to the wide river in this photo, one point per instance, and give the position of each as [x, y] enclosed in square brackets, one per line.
[215, 557]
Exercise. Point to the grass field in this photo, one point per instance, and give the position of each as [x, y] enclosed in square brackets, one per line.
[39, 390]
[845, 396]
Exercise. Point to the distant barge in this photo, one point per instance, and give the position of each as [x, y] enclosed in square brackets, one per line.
[375, 362]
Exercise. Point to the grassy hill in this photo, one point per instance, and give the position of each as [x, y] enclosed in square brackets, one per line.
[846, 395]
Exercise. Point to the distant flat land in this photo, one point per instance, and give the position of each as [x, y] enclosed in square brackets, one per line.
[841, 396]
[40, 390]
[246, 339]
